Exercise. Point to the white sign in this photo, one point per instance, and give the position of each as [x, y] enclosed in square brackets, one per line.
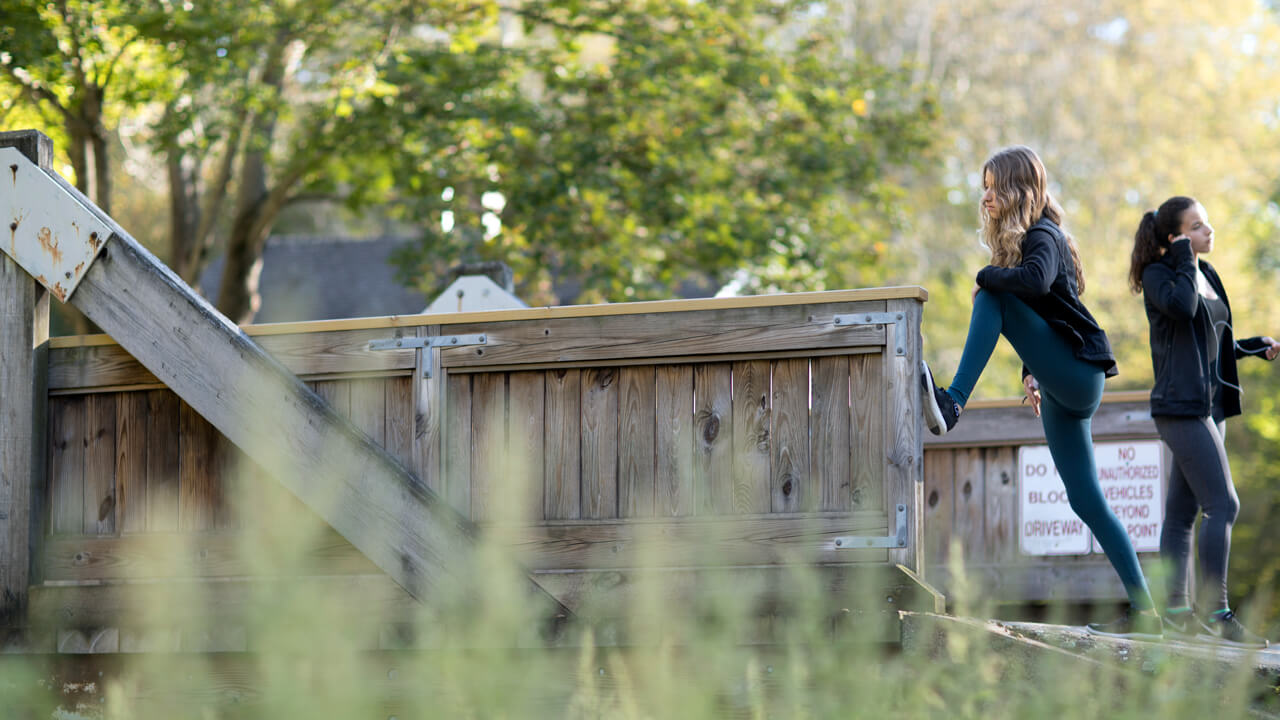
[1046, 524]
[1131, 475]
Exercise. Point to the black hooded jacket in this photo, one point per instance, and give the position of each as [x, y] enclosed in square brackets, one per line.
[1180, 324]
[1046, 281]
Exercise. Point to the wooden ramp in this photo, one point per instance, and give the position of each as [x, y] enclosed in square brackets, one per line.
[355, 485]
[626, 458]
[1042, 652]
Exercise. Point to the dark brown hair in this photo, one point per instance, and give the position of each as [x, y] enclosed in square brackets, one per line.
[1153, 236]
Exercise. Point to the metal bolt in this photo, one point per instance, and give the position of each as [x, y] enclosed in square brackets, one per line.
[839, 543]
[399, 343]
[13, 226]
[482, 339]
[453, 341]
[68, 274]
[899, 316]
[868, 318]
[93, 236]
[837, 319]
[889, 599]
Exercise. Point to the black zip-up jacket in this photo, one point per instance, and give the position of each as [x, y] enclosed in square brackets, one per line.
[1180, 324]
[1046, 281]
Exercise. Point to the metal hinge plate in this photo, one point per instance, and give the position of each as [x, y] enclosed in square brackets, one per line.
[898, 540]
[52, 235]
[897, 319]
[428, 345]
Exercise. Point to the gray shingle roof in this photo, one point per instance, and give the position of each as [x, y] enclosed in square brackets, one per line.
[322, 278]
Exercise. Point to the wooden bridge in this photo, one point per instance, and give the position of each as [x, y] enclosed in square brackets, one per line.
[722, 438]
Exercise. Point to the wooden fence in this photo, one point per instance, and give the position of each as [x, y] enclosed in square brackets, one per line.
[726, 436]
[971, 499]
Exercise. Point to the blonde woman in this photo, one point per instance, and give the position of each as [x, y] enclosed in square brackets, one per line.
[1030, 293]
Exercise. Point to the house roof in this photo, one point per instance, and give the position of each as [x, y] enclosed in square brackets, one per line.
[323, 278]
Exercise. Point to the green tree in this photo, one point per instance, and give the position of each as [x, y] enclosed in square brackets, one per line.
[661, 142]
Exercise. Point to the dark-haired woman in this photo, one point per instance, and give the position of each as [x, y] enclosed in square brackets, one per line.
[1196, 389]
[1030, 294]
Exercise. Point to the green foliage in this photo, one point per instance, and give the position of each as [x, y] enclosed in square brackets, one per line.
[663, 142]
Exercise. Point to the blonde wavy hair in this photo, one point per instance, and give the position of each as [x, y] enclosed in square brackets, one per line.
[1022, 191]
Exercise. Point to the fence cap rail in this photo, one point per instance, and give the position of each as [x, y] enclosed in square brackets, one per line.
[904, 292]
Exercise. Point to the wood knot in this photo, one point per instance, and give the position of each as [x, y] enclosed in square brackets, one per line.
[933, 499]
[711, 428]
[786, 488]
[968, 488]
[104, 509]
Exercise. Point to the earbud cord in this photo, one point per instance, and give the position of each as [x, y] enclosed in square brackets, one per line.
[1217, 366]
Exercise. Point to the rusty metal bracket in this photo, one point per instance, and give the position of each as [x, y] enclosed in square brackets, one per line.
[427, 345]
[53, 236]
[896, 319]
[861, 542]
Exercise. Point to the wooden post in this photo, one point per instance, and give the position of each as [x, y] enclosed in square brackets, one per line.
[24, 336]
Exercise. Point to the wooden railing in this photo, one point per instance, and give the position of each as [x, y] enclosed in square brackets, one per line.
[732, 433]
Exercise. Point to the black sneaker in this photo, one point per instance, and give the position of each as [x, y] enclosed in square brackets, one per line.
[1182, 625]
[941, 411]
[1225, 629]
[1133, 624]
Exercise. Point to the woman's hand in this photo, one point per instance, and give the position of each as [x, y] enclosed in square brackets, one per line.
[1273, 348]
[1032, 389]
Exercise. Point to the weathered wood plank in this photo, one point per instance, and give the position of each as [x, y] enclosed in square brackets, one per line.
[457, 443]
[100, 465]
[636, 441]
[767, 590]
[1001, 504]
[353, 484]
[337, 393]
[428, 407]
[904, 470]
[751, 441]
[600, 443]
[713, 437]
[116, 604]
[522, 484]
[562, 469]
[645, 336]
[198, 483]
[369, 408]
[867, 433]
[66, 465]
[131, 462]
[673, 440]
[163, 460]
[790, 485]
[939, 505]
[829, 440]
[316, 353]
[687, 542]
[488, 441]
[1012, 424]
[24, 335]
[186, 555]
[970, 501]
[399, 423]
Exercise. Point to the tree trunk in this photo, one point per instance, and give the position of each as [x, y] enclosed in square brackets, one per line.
[238, 297]
[91, 115]
[184, 212]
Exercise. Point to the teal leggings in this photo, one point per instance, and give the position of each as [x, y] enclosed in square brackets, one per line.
[1070, 391]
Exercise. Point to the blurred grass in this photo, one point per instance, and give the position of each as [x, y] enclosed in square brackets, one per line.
[478, 649]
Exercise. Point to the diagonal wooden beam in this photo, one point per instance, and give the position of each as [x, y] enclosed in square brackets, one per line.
[358, 488]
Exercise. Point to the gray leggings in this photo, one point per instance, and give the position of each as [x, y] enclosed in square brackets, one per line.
[1200, 481]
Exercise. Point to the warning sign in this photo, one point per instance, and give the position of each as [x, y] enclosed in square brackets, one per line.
[1046, 524]
[1132, 475]
[1131, 478]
